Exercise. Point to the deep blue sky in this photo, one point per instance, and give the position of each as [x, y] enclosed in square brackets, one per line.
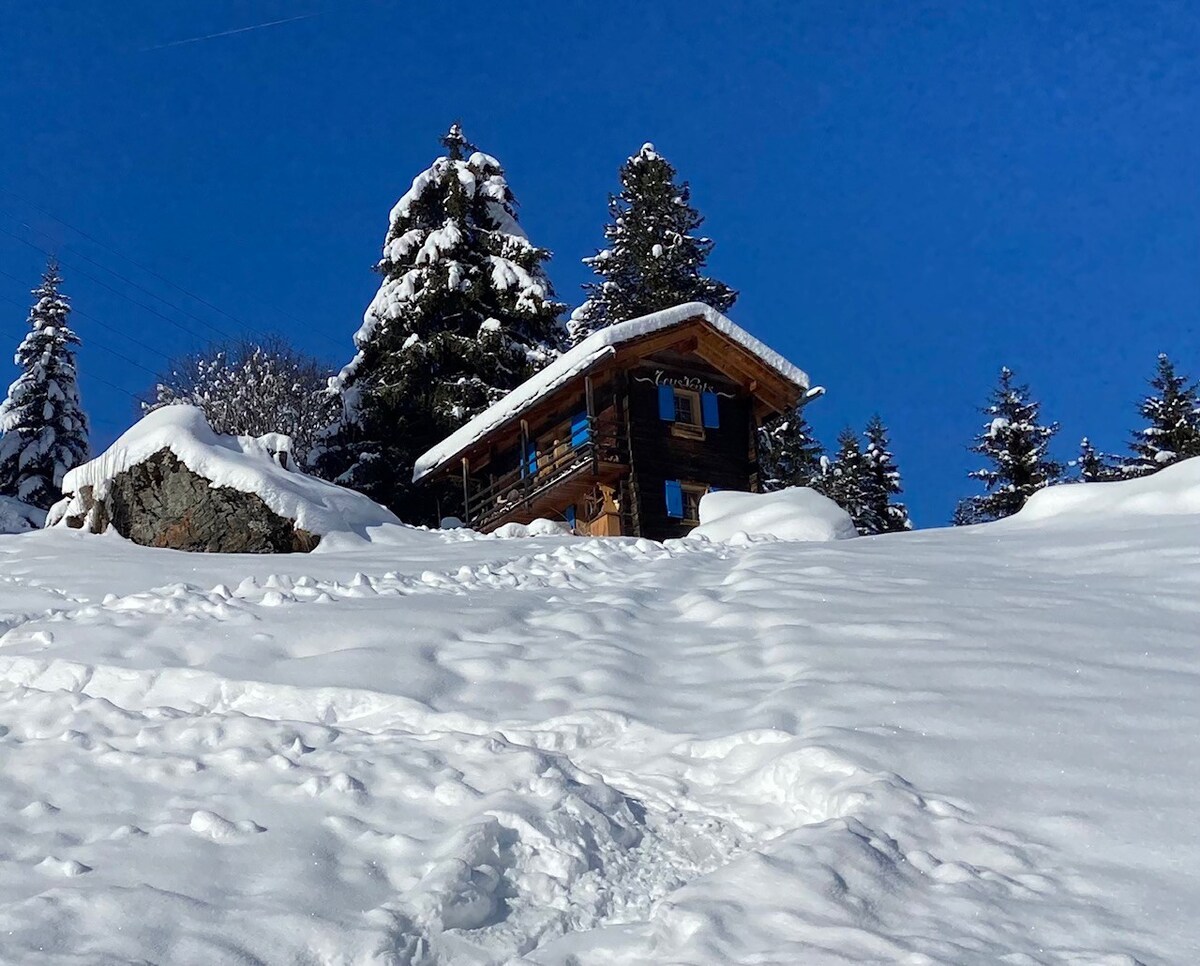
[906, 195]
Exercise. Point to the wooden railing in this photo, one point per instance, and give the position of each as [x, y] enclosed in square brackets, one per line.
[603, 442]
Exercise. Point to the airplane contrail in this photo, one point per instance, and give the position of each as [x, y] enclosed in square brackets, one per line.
[227, 33]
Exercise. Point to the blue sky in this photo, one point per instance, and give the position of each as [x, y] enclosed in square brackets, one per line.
[907, 195]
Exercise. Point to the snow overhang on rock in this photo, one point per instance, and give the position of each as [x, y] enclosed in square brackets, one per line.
[583, 358]
[244, 463]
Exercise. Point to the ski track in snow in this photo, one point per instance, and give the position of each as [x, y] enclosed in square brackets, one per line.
[575, 752]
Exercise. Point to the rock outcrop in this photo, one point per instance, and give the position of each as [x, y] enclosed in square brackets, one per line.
[161, 503]
[170, 481]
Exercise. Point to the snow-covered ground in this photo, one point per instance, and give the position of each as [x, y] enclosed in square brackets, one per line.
[17, 517]
[957, 746]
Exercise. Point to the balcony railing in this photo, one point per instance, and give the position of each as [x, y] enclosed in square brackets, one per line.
[599, 442]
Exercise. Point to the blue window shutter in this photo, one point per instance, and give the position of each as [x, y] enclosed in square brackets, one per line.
[712, 414]
[581, 430]
[529, 460]
[674, 499]
[666, 403]
[570, 516]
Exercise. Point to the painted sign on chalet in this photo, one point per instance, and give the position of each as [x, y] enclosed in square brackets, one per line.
[623, 434]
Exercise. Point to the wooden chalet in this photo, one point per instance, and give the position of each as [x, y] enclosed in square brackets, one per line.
[623, 434]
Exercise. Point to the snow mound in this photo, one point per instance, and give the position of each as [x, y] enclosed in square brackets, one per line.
[244, 463]
[1171, 491]
[796, 513]
[541, 527]
[17, 517]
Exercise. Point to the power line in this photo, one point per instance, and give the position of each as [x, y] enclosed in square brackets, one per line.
[103, 325]
[105, 268]
[78, 271]
[149, 271]
[102, 348]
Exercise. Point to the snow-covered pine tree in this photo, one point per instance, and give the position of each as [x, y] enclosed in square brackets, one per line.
[845, 481]
[1172, 415]
[653, 259]
[1092, 466]
[465, 313]
[43, 429]
[788, 452]
[881, 481]
[1016, 444]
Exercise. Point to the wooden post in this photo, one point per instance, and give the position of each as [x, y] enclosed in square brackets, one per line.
[593, 441]
[466, 467]
[526, 475]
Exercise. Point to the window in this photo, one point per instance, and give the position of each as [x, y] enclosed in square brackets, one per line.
[683, 500]
[687, 415]
[685, 408]
[688, 410]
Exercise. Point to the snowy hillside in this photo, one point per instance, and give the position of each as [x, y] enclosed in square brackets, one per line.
[966, 746]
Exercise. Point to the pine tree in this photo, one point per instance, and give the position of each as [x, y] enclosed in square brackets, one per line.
[1092, 466]
[43, 429]
[1016, 445]
[653, 259]
[464, 314]
[788, 452]
[846, 480]
[1172, 414]
[881, 481]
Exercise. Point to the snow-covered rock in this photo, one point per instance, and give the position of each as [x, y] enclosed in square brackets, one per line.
[795, 513]
[170, 481]
[17, 517]
[1170, 491]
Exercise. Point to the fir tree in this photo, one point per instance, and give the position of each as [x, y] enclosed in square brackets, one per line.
[881, 481]
[1172, 415]
[653, 259]
[1092, 466]
[464, 314]
[788, 452]
[846, 481]
[1016, 445]
[43, 429]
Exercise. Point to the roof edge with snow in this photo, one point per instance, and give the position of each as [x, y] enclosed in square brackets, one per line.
[582, 358]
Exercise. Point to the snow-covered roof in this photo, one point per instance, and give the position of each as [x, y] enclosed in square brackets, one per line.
[582, 358]
[239, 462]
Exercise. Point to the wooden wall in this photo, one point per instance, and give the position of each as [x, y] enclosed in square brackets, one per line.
[722, 459]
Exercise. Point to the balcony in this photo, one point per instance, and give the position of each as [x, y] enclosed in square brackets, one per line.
[598, 449]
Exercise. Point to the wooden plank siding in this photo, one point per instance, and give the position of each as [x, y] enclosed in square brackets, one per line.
[721, 459]
[636, 451]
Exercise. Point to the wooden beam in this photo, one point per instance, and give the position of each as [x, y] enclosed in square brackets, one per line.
[676, 335]
[466, 474]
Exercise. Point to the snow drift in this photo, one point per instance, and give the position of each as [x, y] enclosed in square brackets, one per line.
[243, 463]
[951, 747]
[541, 527]
[795, 513]
[16, 517]
[1171, 491]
